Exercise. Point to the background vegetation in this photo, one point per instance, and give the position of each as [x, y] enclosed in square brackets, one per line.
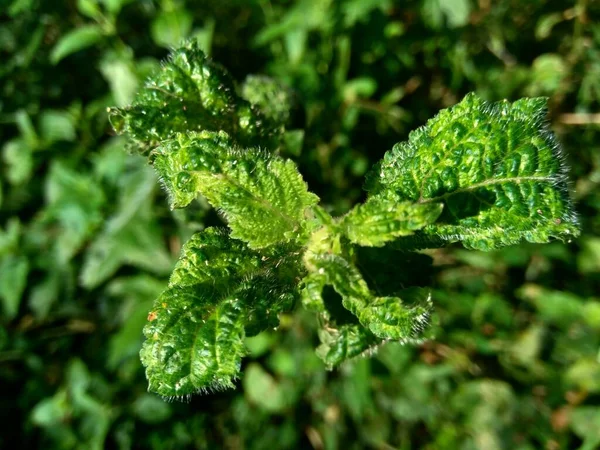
[87, 240]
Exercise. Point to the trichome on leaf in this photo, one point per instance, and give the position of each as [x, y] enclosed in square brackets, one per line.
[486, 175]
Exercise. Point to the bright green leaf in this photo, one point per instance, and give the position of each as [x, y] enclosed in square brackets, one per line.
[339, 342]
[150, 409]
[547, 74]
[380, 220]
[497, 169]
[74, 201]
[584, 374]
[262, 196]
[45, 294]
[89, 8]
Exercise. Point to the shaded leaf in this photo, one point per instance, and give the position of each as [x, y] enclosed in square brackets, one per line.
[401, 318]
[131, 236]
[344, 343]
[13, 280]
[191, 92]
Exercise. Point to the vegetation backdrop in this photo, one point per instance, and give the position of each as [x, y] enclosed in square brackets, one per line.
[87, 240]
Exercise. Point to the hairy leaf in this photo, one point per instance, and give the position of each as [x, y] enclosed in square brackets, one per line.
[339, 342]
[496, 167]
[344, 343]
[191, 92]
[273, 99]
[311, 293]
[400, 318]
[380, 220]
[219, 292]
[262, 196]
[194, 340]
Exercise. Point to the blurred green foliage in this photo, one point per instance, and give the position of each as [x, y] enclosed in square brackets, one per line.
[86, 242]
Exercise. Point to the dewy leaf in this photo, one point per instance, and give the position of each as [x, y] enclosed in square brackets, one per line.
[380, 220]
[263, 197]
[219, 292]
[496, 167]
[400, 318]
[191, 92]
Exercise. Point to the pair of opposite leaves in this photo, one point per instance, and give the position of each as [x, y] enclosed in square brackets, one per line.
[486, 175]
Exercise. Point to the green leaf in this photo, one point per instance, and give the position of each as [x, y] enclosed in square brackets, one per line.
[13, 280]
[136, 295]
[220, 291]
[150, 409]
[345, 342]
[26, 128]
[390, 317]
[455, 12]
[263, 390]
[263, 197]
[57, 125]
[585, 422]
[74, 41]
[584, 374]
[74, 201]
[44, 294]
[497, 169]
[270, 96]
[191, 92]
[588, 259]
[131, 236]
[339, 342]
[17, 156]
[169, 28]
[119, 72]
[10, 236]
[114, 6]
[547, 74]
[380, 220]
[89, 8]
[311, 293]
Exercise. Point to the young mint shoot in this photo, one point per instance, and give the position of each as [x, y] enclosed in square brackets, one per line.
[486, 175]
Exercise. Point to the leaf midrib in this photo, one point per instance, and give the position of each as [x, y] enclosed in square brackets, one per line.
[490, 182]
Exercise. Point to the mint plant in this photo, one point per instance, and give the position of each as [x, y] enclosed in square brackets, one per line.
[486, 175]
